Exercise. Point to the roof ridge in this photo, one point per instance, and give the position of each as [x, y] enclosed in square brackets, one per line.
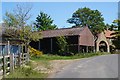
[64, 28]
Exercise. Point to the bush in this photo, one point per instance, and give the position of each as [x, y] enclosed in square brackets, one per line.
[116, 52]
[34, 52]
[67, 54]
[63, 45]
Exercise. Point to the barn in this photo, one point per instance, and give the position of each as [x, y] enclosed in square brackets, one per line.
[80, 39]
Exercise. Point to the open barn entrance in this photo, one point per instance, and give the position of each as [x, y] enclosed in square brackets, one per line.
[102, 46]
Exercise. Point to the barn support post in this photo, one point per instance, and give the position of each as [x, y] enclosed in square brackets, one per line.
[39, 45]
[87, 49]
[78, 48]
[51, 44]
[94, 49]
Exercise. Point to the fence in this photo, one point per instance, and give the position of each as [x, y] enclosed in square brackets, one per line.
[9, 62]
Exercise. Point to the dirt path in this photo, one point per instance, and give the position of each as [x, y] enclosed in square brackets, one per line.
[52, 67]
[58, 65]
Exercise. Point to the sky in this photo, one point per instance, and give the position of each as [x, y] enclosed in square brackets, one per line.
[61, 11]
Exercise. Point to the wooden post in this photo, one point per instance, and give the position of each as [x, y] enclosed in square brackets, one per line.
[87, 49]
[78, 48]
[51, 44]
[4, 69]
[8, 47]
[19, 59]
[28, 56]
[11, 62]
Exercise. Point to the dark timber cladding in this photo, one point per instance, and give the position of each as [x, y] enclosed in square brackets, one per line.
[80, 39]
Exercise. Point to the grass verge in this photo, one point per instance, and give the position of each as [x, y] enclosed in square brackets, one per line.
[26, 72]
[76, 56]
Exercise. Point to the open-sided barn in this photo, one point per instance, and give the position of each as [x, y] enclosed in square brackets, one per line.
[80, 39]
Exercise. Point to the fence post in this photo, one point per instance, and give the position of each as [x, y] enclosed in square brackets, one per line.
[19, 59]
[15, 60]
[28, 55]
[11, 62]
[4, 65]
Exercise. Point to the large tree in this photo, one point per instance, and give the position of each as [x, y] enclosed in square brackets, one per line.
[87, 17]
[116, 40]
[16, 25]
[44, 22]
[19, 16]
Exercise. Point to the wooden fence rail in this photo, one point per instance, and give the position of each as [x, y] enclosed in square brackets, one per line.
[9, 62]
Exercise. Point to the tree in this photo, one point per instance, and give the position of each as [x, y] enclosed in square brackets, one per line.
[18, 27]
[87, 17]
[63, 45]
[44, 22]
[116, 40]
[10, 20]
[19, 17]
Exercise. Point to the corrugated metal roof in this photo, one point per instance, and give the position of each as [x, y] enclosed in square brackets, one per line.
[62, 32]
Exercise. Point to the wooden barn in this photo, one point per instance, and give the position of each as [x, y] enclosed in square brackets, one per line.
[80, 39]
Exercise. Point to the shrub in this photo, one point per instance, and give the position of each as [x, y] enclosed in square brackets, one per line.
[116, 52]
[63, 45]
[34, 52]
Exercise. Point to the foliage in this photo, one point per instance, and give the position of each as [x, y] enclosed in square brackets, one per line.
[87, 17]
[44, 22]
[116, 40]
[25, 34]
[10, 20]
[18, 28]
[19, 17]
[26, 72]
[34, 52]
[62, 44]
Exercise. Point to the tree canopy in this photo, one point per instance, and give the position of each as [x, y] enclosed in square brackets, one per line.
[44, 22]
[87, 17]
[17, 25]
[116, 41]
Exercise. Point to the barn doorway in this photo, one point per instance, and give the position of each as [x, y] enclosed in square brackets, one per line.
[103, 46]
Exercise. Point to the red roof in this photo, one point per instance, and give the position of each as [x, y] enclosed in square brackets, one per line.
[108, 33]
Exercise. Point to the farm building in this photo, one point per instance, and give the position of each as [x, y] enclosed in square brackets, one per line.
[7, 44]
[80, 39]
[104, 41]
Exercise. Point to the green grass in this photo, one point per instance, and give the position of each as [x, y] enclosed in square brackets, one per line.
[26, 73]
[76, 56]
